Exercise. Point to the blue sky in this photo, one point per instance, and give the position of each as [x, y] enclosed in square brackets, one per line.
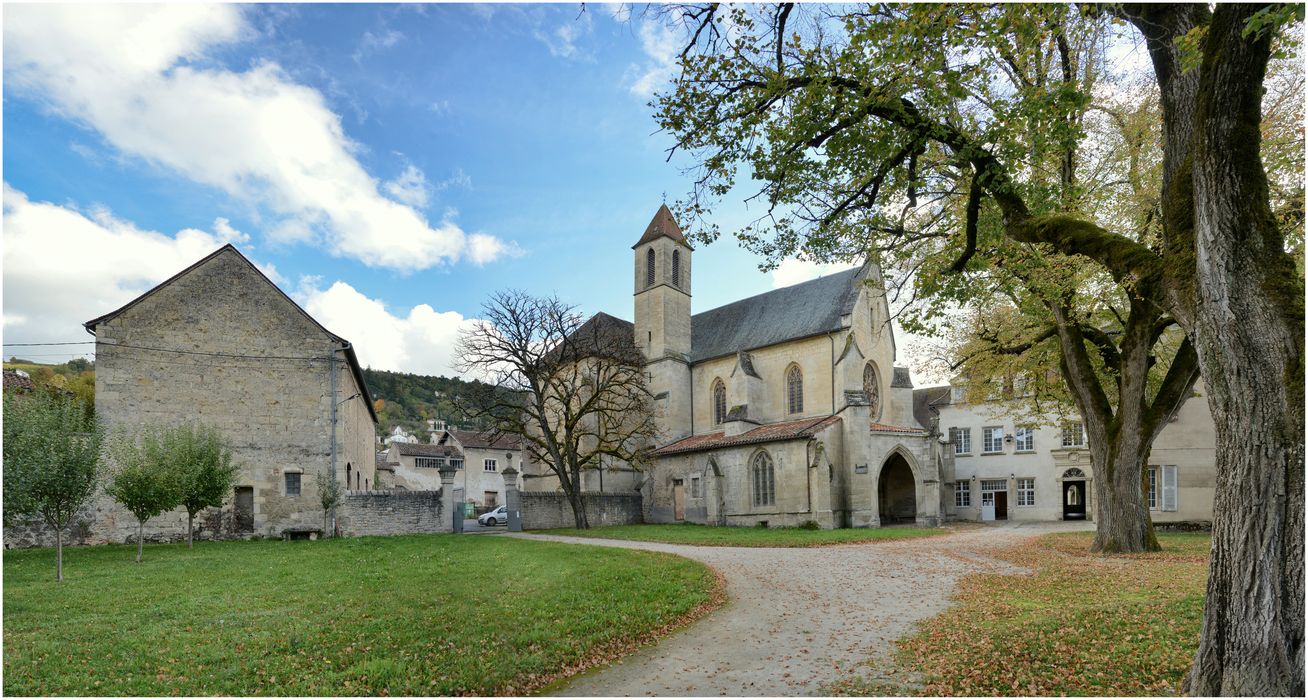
[388, 166]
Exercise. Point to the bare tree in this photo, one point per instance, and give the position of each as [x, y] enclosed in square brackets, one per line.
[573, 390]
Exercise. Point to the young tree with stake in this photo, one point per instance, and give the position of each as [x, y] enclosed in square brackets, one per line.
[206, 466]
[52, 458]
[145, 483]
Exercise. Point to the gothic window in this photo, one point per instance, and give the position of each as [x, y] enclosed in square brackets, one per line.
[794, 390]
[719, 402]
[763, 477]
[872, 387]
[676, 267]
[649, 268]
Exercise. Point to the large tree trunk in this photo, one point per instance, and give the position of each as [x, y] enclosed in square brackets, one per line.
[1248, 326]
[1122, 522]
[578, 504]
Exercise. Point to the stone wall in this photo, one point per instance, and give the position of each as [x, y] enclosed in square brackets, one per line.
[391, 513]
[543, 511]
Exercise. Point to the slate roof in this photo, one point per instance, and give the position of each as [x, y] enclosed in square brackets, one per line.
[925, 402]
[775, 432]
[421, 449]
[350, 357]
[662, 225]
[799, 311]
[485, 440]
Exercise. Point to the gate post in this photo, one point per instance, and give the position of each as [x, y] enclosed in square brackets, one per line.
[512, 501]
[447, 499]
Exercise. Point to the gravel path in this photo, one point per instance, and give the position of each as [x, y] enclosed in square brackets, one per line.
[798, 618]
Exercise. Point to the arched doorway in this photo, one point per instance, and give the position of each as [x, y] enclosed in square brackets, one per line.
[1074, 495]
[897, 491]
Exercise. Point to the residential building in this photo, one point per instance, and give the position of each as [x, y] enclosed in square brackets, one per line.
[1006, 469]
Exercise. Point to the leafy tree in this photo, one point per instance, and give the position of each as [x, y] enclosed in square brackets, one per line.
[866, 124]
[206, 469]
[51, 461]
[572, 390]
[329, 495]
[146, 481]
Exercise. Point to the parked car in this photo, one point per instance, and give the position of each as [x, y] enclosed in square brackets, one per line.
[499, 516]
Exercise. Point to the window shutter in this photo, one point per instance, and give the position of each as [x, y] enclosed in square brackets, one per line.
[1169, 488]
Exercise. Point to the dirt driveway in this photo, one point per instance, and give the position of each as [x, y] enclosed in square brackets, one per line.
[798, 618]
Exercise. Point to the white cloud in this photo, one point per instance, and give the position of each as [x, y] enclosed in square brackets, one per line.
[63, 267]
[421, 341]
[409, 187]
[371, 43]
[662, 43]
[134, 73]
[483, 249]
[562, 40]
[794, 271]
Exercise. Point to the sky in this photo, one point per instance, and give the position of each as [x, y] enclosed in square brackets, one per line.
[388, 166]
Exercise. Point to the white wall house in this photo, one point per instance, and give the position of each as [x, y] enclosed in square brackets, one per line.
[1007, 469]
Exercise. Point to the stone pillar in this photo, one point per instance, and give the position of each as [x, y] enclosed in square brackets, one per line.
[512, 501]
[455, 520]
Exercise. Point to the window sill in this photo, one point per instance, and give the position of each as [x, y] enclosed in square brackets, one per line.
[962, 454]
[1024, 452]
[991, 454]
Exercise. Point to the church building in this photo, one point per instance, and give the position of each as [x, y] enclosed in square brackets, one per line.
[781, 409]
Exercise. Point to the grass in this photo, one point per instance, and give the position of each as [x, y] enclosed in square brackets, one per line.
[1081, 624]
[413, 615]
[711, 536]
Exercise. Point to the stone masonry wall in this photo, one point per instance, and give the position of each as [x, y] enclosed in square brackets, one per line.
[391, 513]
[543, 511]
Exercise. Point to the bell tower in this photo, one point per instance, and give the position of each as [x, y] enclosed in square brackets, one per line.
[662, 268]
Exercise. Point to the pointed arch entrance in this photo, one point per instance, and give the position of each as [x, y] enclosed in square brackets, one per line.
[897, 491]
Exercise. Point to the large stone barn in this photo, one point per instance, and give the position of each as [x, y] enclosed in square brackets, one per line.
[221, 344]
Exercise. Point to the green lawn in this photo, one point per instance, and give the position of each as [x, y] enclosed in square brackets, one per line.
[690, 533]
[1082, 624]
[414, 615]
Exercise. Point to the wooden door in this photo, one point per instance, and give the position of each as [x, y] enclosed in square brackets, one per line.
[244, 508]
[679, 500]
[1001, 505]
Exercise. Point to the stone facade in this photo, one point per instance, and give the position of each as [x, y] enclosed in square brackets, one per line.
[221, 344]
[843, 445]
[1184, 451]
[544, 511]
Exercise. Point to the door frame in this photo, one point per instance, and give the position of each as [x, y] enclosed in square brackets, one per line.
[1081, 486]
[678, 500]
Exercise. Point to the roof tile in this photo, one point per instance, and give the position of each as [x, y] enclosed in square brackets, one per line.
[774, 432]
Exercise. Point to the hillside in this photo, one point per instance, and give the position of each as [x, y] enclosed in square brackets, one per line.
[409, 400]
[76, 376]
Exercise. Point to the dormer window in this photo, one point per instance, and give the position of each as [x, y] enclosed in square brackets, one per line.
[649, 268]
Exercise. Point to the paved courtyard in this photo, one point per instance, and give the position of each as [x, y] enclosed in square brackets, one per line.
[798, 618]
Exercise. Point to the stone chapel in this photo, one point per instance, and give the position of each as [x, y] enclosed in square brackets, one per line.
[780, 409]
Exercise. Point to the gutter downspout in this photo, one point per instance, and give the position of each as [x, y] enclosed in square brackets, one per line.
[331, 363]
